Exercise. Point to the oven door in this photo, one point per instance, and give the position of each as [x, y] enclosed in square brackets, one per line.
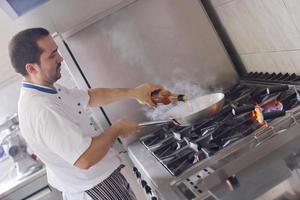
[264, 170]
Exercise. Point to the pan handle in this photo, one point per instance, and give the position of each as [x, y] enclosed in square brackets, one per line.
[154, 123]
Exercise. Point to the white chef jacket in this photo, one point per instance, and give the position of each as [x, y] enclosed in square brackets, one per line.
[58, 130]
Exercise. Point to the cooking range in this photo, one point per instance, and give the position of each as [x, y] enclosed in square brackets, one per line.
[207, 160]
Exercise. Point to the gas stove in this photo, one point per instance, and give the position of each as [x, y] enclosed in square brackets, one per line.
[178, 148]
[256, 109]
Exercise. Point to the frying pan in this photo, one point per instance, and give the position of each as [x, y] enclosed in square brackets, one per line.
[192, 112]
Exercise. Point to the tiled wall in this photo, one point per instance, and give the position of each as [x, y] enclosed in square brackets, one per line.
[266, 33]
[9, 95]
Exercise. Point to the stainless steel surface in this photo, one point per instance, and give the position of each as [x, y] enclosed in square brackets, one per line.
[152, 171]
[156, 123]
[266, 160]
[287, 189]
[135, 45]
[16, 148]
[32, 187]
[256, 161]
[17, 151]
[10, 123]
[269, 168]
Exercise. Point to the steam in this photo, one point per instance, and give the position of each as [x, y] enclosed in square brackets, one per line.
[192, 90]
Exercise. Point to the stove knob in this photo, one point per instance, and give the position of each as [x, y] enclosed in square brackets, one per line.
[232, 183]
[138, 175]
[2, 152]
[148, 189]
[144, 183]
[135, 169]
[154, 198]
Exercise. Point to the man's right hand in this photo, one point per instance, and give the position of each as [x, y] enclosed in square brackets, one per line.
[126, 127]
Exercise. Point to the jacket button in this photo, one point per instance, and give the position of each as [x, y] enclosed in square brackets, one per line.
[79, 112]
[59, 97]
[78, 104]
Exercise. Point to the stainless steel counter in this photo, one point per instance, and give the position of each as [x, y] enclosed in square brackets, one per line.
[11, 188]
[249, 159]
[152, 171]
[34, 186]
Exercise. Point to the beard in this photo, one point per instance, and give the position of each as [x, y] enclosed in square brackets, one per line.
[54, 76]
[58, 68]
[58, 73]
[49, 76]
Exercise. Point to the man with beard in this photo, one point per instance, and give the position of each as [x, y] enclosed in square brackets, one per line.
[79, 161]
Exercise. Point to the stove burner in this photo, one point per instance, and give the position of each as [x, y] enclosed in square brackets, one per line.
[275, 78]
[183, 160]
[168, 147]
[156, 137]
[289, 101]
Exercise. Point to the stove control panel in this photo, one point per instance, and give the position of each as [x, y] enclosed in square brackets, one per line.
[193, 187]
[150, 193]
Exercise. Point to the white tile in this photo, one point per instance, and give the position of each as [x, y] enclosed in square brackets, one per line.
[288, 61]
[216, 3]
[6, 71]
[259, 26]
[294, 57]
[293, 7]
[259, 63]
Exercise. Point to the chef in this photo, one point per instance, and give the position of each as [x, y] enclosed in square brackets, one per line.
[79, 160]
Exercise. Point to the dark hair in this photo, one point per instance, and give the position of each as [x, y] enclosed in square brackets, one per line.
[23, 48]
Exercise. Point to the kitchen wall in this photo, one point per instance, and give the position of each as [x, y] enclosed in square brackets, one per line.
[53, 15]
[10, 82]
[56, 16]
[170, 42]
[9, 94]
[8, 28]
[266, 33]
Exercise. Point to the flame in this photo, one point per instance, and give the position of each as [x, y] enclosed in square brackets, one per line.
[257, 114]
[272, 106]
[279, 105]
